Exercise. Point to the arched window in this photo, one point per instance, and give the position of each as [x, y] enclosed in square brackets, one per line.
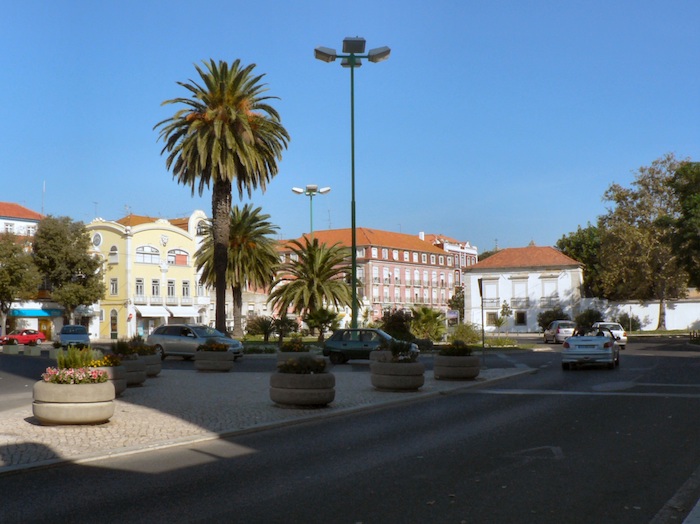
[178, 257]
[147, 255]
[113, 255]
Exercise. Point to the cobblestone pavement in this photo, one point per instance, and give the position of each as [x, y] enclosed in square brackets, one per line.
[184, 406]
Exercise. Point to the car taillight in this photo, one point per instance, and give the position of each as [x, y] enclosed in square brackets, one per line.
[566, 345]
[607, 345]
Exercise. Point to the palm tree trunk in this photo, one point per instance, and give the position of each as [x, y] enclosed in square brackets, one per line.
[221, 211]
[237, 292]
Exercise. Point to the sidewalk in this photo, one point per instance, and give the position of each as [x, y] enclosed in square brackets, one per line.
[184, 406]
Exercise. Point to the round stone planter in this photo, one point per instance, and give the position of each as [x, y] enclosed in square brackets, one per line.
[117, 376]
[135, 371]
[397, 376]
[213, 360]
[302, 390]
[456, 368]
[12, 349]
[154, 365]
[73, 403]
[32, 351]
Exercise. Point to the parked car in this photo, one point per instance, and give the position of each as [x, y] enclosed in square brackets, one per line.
[558, 331]
[23, 336]
[183, 340]
[346, 344]
[594, 346]
[617, 330]
[73, 334]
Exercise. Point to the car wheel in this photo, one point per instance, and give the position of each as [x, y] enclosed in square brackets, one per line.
[159, 351]
[565, 366]
[545, 340]
[337, 358]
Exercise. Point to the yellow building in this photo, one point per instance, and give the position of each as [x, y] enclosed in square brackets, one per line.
[150, 273]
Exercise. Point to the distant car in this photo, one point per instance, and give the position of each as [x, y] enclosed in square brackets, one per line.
[23, 336]
[617, 330]
[183, 339]
[594, 346]
[73, 334]
[346, 344]
[558, 331]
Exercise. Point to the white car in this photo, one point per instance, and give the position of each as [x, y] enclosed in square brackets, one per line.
[595, 346]
[558, 331]
[616, 329]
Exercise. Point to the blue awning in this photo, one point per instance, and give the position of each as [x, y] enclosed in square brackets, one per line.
[35, 313]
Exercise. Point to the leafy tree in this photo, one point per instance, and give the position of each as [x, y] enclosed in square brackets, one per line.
[587, 318]
[637, 236]
[262, 325]
[323, 320]
[629, 322]
[686, 186]
[428, 323]
[61, 253]
[397, 324]
[313, 278]
[456, 303]
[19, 277]
[506, 313]
[284, 326]
[467, 333]
[584, 245]
[547, 317]
[226, 132]
[252, 256]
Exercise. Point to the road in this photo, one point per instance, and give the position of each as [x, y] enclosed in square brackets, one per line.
[588, 446]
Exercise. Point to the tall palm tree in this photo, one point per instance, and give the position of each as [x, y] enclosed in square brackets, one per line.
[313, 278]
[227, 132]
[252, 256]
[428, 323]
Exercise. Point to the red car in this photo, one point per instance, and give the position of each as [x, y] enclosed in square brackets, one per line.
[23, 336]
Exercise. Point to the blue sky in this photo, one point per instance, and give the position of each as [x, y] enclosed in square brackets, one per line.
[502, 119]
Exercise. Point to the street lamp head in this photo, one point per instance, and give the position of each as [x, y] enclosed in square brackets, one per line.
[352, 61]
[324, 190]
[298, 190]
[325, 54]
[354, 45]
[311, 189]
[379, 54]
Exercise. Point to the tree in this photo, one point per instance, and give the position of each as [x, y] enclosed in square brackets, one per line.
[398, 324]
[19, 277]
[61, 253]
[686, 186]
[586, 318]
[428, 323]
[456, 303]
[227, 132]
[637, 237]
[506, 313]
[545, 318]
[584, 246]
[252, 256]
[323, 320]
[263, 325]
[314, 277]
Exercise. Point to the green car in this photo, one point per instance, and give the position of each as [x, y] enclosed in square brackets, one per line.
[347, 344]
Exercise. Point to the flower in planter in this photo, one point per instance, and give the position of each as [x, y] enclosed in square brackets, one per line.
[304, 365]
[294, 345]
[129, 349]
[106, 361]
[74, 376]
[401, 350]
[456, 349]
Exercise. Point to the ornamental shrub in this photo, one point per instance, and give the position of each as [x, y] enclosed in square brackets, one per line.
[74, 376]
[74, 357]
[456, 349]
[304, 365]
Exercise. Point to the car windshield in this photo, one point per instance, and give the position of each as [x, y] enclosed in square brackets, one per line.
[207, 332]
[15, 332]
[567, 325]
[611, 326]
[597, 332]
[73, 330]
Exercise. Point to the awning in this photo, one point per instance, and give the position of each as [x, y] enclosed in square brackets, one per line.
[153, 311]
[183, 311]
[35, 313]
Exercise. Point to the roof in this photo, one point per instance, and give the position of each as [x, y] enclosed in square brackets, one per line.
[526, 257]
[376, 238]
[12, 210]
[136, 220]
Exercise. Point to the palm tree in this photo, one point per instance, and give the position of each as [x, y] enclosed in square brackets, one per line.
[252, 256]
[428, 323]
[313, 278]
[323, 320]
[226, 132]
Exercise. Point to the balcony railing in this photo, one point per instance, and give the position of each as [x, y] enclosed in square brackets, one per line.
[171, 301]
[549, 302]
[187, 301]
[140, 300]
[156, 300]
[519, 302]
[491, 302]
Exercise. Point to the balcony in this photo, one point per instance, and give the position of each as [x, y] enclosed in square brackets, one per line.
[171, 301]
[186, 301]
[520, 303]
[549, 302]
[156, 300]
[491, 302]
[140, 300]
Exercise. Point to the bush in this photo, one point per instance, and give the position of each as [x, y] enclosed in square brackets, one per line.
[626, 320]
[304, 365]
[545, 318]
[456, 349]
[467, 333]
[424, 344]
[398, 325]
[587, 318]
[74, 357]
[295, 344]
[400, 350]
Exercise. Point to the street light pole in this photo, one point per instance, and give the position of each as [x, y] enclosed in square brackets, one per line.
[354, 48]
[311, 191]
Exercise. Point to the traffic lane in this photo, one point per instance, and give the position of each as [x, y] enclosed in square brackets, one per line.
[478, 456]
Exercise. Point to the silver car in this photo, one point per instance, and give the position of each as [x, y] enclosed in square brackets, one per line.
[558, 331]
[595, 346]
[617, 330]
[184, 339]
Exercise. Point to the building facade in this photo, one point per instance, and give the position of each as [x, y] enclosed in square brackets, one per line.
[529, 280]
[150, 274]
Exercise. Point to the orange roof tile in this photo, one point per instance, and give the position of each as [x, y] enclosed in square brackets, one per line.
[526, 257]
[137, 220]
[366, 237]
[12, 210]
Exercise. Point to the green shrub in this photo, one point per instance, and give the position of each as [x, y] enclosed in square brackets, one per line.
[295, 344]
[74, 357]
[626, 320]
[587, 318]
[400, 350]
[304, 365]
[456, 349]
[545, 318]
[467, 333]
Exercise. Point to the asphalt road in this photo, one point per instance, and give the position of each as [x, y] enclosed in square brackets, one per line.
[588, 446]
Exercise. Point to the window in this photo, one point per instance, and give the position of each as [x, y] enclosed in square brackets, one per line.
[360, 252]
[405, 256]
[171, 288]
[185, 288]
[415, 258]
[397, 275]
[113, 286]
[9, 227]
[432, 259]
[31, 230]
[375, 275]
[374, 252]
[424, 258]
[147, 255]
[385, 253]
[408, 277]
[201, 228]
[520, 318]
[441, 260]
[139, 287]
[113, 255]
[416, 277]
[449, 261]
[294, 257]
[155, 287]
[385, 275]
[425, 277]
[491, 318]
[395, 254]
[178, 257]
[283, 258]
[433, 278]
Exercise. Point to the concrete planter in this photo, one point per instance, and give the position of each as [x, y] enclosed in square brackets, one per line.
[32, 351]
[283, 356]
[12, 349]
[456, 368]
[73, 403]
[117, 376]
[397, 376]
[213, 360]
[154, 365]
[302, 390]
[135, 371]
